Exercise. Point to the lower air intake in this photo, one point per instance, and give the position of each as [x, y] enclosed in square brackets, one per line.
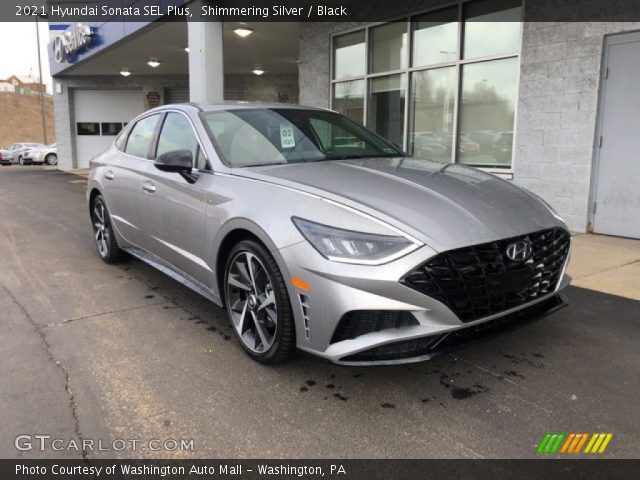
[360, 322]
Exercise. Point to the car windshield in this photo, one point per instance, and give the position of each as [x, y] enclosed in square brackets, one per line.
[253, 137]
[34, 145]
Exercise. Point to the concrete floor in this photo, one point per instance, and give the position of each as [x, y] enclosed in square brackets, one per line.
[94, 351]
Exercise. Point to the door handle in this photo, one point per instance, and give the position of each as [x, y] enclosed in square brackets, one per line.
[148, 186]
[109, 175]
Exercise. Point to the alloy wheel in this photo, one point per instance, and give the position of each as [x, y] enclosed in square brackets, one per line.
[252, 302]
[101, 230]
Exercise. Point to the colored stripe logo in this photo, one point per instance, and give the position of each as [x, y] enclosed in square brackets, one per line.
[572, 443]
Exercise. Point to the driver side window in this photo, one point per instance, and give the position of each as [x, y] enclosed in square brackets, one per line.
[177, 134]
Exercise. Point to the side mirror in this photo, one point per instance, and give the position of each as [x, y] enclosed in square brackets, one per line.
[178, 161]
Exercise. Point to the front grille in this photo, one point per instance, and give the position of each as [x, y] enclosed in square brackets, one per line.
[433, 345]
[478, 281]
[359, 322]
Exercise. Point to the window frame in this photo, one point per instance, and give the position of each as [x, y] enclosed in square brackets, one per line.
[457, 63]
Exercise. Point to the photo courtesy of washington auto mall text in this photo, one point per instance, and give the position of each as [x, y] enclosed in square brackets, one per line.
[303, 239]
[183, 470]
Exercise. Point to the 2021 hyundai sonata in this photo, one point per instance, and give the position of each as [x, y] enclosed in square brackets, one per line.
[317, 234]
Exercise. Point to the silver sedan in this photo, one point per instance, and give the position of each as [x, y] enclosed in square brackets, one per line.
[45, 154]
[318, 235]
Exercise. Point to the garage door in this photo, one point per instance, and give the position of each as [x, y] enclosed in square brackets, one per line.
[99, 117]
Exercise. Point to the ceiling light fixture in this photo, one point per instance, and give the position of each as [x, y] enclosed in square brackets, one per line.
[153, 63]
[243, 32]
[258, 71]
[125, 72]
[186, 49]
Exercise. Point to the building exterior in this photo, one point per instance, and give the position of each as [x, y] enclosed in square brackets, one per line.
[548, 105]
[23, 85]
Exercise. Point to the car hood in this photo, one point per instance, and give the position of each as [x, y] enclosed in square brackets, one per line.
[448, 205]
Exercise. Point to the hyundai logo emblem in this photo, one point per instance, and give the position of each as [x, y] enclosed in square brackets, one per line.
[519, 251]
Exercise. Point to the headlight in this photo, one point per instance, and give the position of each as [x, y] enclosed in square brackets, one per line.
[354, 247]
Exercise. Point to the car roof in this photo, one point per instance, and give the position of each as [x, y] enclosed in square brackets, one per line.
[245, 105]
[236, 105]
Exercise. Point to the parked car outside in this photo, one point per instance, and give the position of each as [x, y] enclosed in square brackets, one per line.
[5, 157]
[45, 154]
[17, 151]
[349, 250]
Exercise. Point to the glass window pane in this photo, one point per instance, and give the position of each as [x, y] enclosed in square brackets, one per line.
[88, 128]
[487, 112]
[435, 37]
[386, 107]
[388, 45]
[432, 103]
[177, 134]
[349, 55]
[491, 27]
[348, 99]
[111, 128]
[141, 136]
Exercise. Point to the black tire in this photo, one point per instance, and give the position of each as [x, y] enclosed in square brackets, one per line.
[51, 159]
[20, 161]
[284, 337]
[104, 236]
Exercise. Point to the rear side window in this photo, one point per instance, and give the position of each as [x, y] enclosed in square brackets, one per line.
[141, 136]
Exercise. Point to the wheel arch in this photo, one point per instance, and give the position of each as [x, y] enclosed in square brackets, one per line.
[92, 195]
[235, 231]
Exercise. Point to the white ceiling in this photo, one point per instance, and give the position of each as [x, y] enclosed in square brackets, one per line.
[273, 46]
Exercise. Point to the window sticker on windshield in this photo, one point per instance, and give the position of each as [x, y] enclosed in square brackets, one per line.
[286, 135]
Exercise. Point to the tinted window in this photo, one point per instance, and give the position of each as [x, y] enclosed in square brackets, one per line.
[348, 99]
[488, 102]
[388, 45]
[141, 136]
[386, 106]
[177, 134]
[111, 128]
[88, 128]
[431, 113]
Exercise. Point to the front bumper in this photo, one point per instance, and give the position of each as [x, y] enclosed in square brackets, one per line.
[335, 289]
